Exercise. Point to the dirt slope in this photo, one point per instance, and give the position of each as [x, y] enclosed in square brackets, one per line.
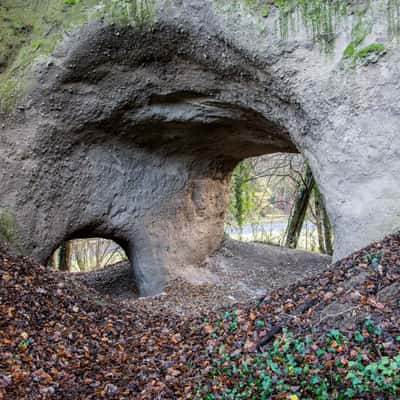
[59, 340]
[237, 272]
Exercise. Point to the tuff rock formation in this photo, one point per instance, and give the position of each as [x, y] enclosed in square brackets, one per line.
[131, 132]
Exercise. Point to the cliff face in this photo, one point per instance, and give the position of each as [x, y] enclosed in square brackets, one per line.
[131, 132]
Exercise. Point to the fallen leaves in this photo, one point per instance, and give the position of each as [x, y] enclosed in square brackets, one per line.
[58, 340]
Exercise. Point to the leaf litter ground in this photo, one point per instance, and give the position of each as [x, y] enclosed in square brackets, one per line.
[335, 335]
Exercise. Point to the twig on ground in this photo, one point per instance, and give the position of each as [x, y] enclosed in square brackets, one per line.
[275, 330]
[337, 314]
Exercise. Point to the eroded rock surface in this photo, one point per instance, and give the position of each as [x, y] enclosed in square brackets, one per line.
[132, 133]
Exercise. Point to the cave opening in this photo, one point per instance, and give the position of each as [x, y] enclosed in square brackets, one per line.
[274, 199]
[87, 254]
[100, 263]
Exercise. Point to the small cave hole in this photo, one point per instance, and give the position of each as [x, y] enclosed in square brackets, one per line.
[99, 263]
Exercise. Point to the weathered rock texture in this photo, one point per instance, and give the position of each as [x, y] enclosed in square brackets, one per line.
[132, 133]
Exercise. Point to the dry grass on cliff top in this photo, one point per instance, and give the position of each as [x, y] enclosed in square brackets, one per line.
[334, 335]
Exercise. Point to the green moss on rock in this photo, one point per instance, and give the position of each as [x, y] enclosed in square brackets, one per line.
[368, 54]
[374, 48]
[320, 17]
[31, 29]
[324, 19]
[349, 51]
[8, 227]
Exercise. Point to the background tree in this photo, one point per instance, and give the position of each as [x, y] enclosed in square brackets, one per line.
[276, 199]
[299, 209]
[242, 194]
[65, 256]
[84, 255]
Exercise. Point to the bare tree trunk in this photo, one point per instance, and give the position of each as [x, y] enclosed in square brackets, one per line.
[327, 232]
[299, 209]
[319, 212]
[65, 253]
[80, 254]
[55, 259]
[238, 193]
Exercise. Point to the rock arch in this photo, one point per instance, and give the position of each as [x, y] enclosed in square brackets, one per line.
[134, 133]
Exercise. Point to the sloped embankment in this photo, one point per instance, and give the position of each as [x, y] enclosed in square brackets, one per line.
[334, 335]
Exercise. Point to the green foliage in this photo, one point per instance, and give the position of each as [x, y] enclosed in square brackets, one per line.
[8, 227]
[29, 30]
[356, 54]
[358, 34]
[9, 93]
[297, 367]
[324, 20]
[134, 12]
[242, 194]
[320, 17]
[375, 49]
[374, 258]
[349, 51]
